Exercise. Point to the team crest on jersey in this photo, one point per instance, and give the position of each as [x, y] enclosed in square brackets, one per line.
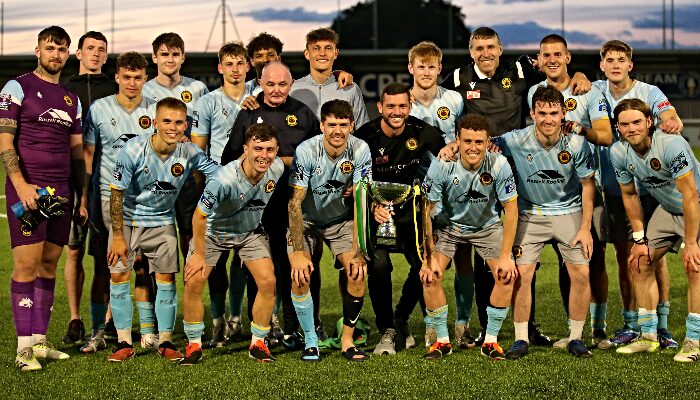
[486, 178]
[570, 104]
[517, 251]
[506, 83]
[68, 100]
[564, 157]
[292, 120]
[411, 144]
[145, 122]
[655, 164]
[177, 169]
[269, 186]
[346, 167]
[443, 113]
[186, 96]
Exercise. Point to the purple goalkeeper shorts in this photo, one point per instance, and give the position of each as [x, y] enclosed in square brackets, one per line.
[54, 230]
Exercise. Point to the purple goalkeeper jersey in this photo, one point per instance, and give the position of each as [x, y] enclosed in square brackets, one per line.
[46, 114]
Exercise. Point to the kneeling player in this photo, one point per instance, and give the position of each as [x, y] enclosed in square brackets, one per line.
[145, 182]
[323, 168]
[228, 217]
[665, 165]
[470, 190]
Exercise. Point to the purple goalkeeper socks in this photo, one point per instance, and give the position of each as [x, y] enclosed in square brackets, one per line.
[43, 304]
[22, 294]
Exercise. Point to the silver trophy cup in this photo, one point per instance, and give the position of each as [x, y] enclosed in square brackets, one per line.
[388, 194]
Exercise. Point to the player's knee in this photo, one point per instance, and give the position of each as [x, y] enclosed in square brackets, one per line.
[266, 284]
[120, 277]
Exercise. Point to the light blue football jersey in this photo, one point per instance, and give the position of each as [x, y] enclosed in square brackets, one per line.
[188, 90]
[548, 179]
[669, 158]
[151, 184]
[109, 126]
[442, 113]
[233, 205]
[584, 108]
[214, 115]
[252, 87]
[469, 199]
[653, 97]
[326, 179]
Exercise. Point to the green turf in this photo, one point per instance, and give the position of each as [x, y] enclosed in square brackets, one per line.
[229, 373]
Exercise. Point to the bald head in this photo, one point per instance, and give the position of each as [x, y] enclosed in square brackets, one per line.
[276, 81]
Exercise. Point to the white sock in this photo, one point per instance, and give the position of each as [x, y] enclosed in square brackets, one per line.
[165, 337]
[521, 332]
[197, 341]
[23, 342]
[38, 338]
[445, 339]
[124, 335]
[576, 328]
[255, 339]
[490, 338]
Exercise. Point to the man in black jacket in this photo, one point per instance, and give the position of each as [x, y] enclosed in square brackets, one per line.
[89, 84]
[294, 122]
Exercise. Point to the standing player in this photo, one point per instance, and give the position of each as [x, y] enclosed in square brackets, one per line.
[146, 179]
[665, 165]
[402, 149]
[441, 108]
[214, 116]
[319, 212]
[616, 63]
[228, 217]
[169, 55]
[89, 84]
[556, 193]
[588, 115]
[109, 125]
[40, 145]
[470, 191]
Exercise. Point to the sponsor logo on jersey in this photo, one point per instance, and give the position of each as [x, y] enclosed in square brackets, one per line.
[426, 186]
[5, 101]
[297, 172]
[411, 144]
[292, 120]
[548, 176]
[186, 96]
[486, 178]
[665, 103]
[472, 197]
[207, 199]
[269, 186]
[678, 163]
[570, 104]
[161, 187]
[517, 251]
[331, 186]
[654, 182]
[145, 122]
[655, 164]
[255, 205]
[346, 167]
[54, 116]
[506, 83]
[602, 105]
[119, 143]
[473, 94]
[510, 188]
[68, 100]
[443, 113]
[177, 169]
[118, 171]
[564, 157]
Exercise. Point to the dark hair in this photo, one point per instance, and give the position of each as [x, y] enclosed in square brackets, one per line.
[616, 45]
[264, 41]
[340, 109]
[54, 34]
[171, 103]
[547, 95]
[637, 105]
[394, 89]
[131, 61]
[91, 35]
[320, 34]
[262, 132]
[474, 122]
[232, 49]
[171, 40]
[484, 32]
[554, 38]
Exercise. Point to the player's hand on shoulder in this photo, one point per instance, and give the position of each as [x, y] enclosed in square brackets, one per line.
[691, 257]
[344, 78]
[250, 103]
[449, 152]
[579, 84]
[572, 127]
[493, 148]
[195, 264]
[672, 126]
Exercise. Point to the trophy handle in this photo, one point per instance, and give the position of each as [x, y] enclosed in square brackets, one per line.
[361, 218]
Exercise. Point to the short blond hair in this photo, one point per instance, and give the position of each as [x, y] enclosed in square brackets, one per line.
[425, 51]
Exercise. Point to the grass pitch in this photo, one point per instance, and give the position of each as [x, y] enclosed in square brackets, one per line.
[229, 373]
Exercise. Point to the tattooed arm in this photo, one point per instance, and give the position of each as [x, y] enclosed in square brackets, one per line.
[25, 191]
[116, 212]
[299, 259]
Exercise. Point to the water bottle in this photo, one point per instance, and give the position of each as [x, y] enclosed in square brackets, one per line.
[18, 208]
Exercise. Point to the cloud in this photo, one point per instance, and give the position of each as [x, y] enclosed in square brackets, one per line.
[531, 32]
[686, 18]
[298, 14]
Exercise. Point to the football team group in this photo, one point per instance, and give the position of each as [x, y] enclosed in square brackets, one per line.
[249, 181]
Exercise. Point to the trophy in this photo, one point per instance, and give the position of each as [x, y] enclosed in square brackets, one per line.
[388, 194]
